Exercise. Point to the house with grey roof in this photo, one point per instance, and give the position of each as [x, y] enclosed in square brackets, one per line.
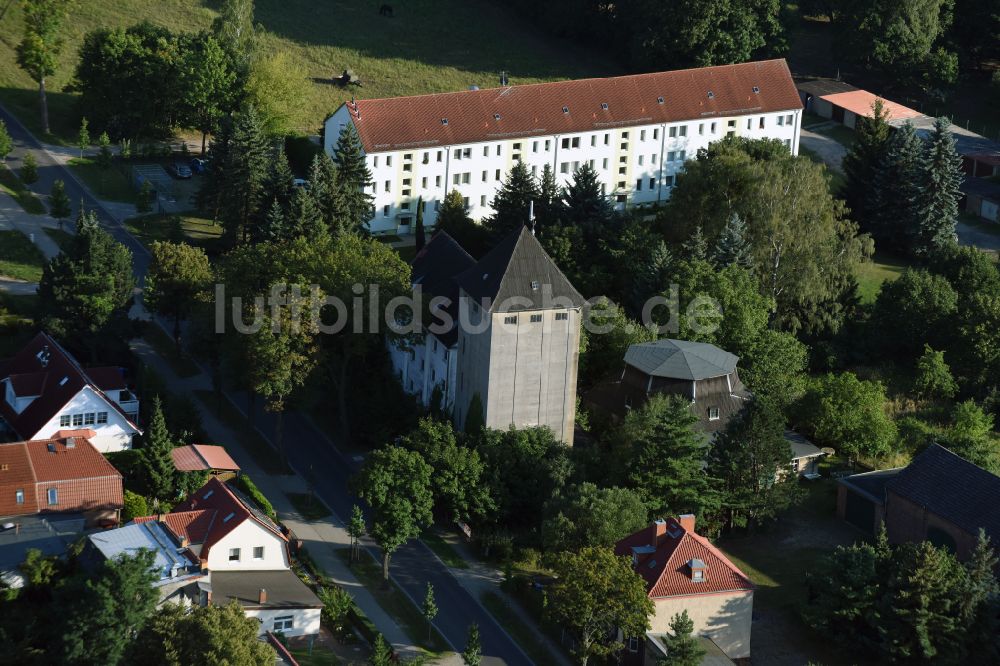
[503, 338]
[939, 497]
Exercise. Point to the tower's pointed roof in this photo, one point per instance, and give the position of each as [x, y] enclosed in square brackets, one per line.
[518, 275]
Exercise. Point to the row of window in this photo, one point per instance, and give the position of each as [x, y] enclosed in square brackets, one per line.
[511, 320]
[82, 419]
[52, 496]
[234, 553]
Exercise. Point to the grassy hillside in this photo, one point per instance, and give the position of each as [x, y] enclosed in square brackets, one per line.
[429, 46]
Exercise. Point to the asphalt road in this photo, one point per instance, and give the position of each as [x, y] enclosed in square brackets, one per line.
[413, 565]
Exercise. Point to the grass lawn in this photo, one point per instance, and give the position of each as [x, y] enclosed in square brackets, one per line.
[110, 184]
[319, 657]
[394, 602]
[309, 506]
[198, 231]
[429, 46]
[19, 258]
[407, 252]
[62, 238]
[872, 274]
[839, 133]
[263, 453]
[164, 345]
[12, 185]
[516, 627]
[443, 550]
[19, 305]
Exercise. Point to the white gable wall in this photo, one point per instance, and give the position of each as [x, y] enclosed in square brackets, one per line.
[248, 535]
[305, 620]
[115, 435]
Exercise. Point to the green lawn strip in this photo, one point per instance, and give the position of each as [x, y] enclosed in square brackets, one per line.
[19, 258]
[263, 453]
[394, 602]
[320, 657]
[309, 506]
[179, 362]
[19, 305]
[872, 274]
[194, 230]
[61, 238]
[110, 184]
[407, 252]
[517, 628]
[12, 185]
[443, 550]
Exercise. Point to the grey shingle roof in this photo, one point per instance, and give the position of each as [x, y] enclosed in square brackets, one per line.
[518, 268]
[284, 589]
[680, 359]
[801, 447]
[953, 488]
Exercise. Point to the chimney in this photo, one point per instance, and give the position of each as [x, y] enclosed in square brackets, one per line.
[161, 517]
[659, 532]
[185, 542]
[686, 521]
[262, 597]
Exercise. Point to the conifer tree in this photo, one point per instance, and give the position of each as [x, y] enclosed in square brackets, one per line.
[733, 248]
[583, 202]
[323, 187]
[696, 246]
[274, 228]
[304, 218]
[278, 185]
[472, 655]
[29, 169]
[512, 203]
[356, 207]
[6, 143]
[860, 163]
[157, 464]
[59, 204]
[941, 191]
[381, 653]
[897, 211]
[421, 239]
[683, 649]
[548, 207]
[237, 179]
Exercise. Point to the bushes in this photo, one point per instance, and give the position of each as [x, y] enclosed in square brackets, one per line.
[337, 607]
[135, 506]
[249, 488]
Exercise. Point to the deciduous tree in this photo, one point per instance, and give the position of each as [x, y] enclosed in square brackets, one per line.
[592, 516]
[933, 379]
[429, 609]
[39, 49]
[596, 595]
[6, 143]
[472, 655]
[178, 276]
[59, 204]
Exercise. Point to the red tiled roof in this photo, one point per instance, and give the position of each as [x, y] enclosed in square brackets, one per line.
[537, 110]
[64, 378]
[200, 457]
[666, 570]
[107, 378]
[67, 459]
[860, 103]
[193, 525]
[217, 496]
[16, 474]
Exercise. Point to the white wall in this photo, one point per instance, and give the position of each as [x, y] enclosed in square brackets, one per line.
[725, 618]
[246, 536]
[115, 435]
[438, 369]
[640, 151]
[307, 620]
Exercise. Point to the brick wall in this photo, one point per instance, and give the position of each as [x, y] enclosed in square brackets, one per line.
[907, 521]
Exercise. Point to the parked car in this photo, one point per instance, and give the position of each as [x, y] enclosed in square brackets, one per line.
[300, 182]
[180, 170]
[199, 165]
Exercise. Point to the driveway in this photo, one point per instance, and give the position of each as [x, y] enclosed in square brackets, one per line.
[981, 235]
[830, 151]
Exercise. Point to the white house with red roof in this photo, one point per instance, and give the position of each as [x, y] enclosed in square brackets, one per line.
[245, 557]
[636, 131]
[44, 390]
[684, 571]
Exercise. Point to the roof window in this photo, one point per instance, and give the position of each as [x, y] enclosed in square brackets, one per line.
[659, 100]
[604, 105]
[62, 382]
[444, 121]
[756, 89]
[565, 109]
[208, 494]
[229, 517]
[496, 116]
[711, 95]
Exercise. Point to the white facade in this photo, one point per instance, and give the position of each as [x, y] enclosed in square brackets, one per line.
[724, 617]
[290, 622]
[424, 365]
[637, 165]
[89, 409]
[253, 547]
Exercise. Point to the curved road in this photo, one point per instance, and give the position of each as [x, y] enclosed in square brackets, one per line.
[413, 565]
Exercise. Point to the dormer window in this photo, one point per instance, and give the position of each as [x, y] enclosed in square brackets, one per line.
[698, 570]
[659, 100]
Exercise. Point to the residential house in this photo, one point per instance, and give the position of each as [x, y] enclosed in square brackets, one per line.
[509, 335]
[65, 474]
[245, 556]
[45, 390]
[205, 458]
[939, 497]
[636, 132]
[177, 568]
[683, 571]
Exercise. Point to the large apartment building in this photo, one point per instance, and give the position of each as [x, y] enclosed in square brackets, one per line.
[636, 131]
